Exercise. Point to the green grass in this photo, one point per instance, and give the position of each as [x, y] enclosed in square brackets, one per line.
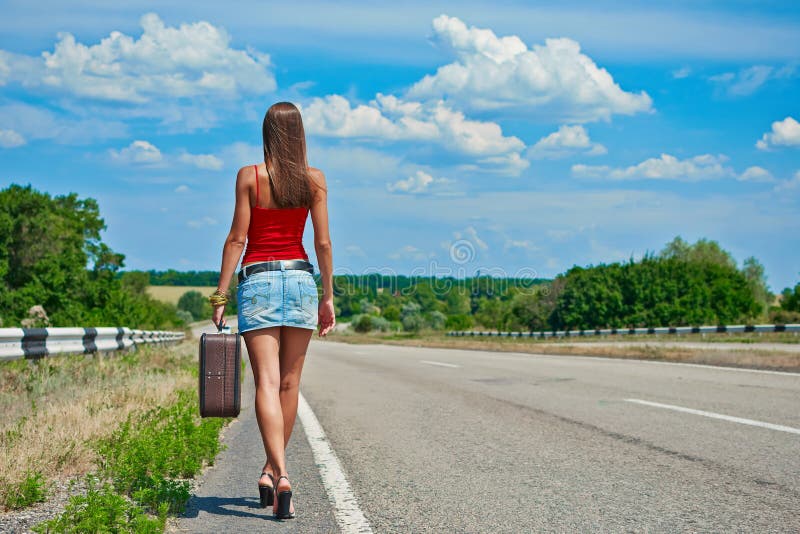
[148, 461]
[146, 456]
[30, 490]
[102, 509]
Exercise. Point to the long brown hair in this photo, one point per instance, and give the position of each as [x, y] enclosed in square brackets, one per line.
[285, 156]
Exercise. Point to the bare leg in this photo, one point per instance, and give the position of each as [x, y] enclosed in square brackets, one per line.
[293, 347]
[294, 344]
[263, 346]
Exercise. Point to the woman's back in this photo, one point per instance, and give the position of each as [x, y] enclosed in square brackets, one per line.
[274, 233]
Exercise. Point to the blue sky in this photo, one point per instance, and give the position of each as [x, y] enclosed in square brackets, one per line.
[513, 137]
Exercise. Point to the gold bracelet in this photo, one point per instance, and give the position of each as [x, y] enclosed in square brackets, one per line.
[218, 298]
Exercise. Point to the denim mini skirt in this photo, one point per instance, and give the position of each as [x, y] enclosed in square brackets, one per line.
[278, 298]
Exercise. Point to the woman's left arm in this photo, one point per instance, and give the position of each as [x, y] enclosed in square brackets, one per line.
[234, 243]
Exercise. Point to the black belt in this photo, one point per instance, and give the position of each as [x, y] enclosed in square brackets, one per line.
[274, 265]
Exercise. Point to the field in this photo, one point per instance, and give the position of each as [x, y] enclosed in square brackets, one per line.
[171, 294]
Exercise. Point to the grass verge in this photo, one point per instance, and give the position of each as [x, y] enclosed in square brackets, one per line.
[71, 417]
[752, 359]
[145, 469]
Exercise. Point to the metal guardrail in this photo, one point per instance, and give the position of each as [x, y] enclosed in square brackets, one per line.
[32, 343]
[678, 330]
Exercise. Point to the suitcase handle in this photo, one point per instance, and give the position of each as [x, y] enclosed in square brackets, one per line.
[219, 326]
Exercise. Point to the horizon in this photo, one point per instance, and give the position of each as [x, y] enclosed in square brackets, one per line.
[589, 142]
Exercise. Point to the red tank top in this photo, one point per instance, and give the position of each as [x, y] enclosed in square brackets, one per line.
[275, 233]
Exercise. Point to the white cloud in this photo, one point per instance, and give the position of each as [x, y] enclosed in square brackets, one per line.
[355, 251]
[750, 79]
[164, 61]
[666, 167]
[11, 139]
[138, 152]
[567, 141]
[783, 133]
[471, 234]
[681, 73]
[524, 244]
[790, 184]
[390, 118]
[33, 123]
[419, 182]
[351, 164]
[182, 189]
[552, 80]
[200, 223]
[202, 161]
[410, 252]
[756, 174]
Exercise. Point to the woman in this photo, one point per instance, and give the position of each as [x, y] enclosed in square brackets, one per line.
[279, 306]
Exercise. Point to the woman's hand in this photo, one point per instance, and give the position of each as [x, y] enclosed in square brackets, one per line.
[217, 316]
[327, 316]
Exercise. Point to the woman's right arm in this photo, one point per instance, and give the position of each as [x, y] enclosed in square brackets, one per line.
[322, 246]
[235, 242]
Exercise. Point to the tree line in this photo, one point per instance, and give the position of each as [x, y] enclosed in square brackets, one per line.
[56, 271]
[682, 285]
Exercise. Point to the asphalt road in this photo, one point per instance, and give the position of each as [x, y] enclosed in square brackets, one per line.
[444, 440]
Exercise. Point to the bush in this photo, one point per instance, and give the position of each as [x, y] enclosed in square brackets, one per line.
[436, 320]
[362, 323]
[411, 317]
[458, 322]
[185, 316]
[379, 323]
[791, 299]
[196, 304]
[391, 313]
[781, 316]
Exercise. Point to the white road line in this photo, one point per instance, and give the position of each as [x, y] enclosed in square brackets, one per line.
[442, 364]
[713, 415]
[345, 507]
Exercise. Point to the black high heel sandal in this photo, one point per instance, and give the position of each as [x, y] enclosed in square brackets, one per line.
[266, 493]
[284, 501]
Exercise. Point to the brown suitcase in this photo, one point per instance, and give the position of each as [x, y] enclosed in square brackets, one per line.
[220, 370]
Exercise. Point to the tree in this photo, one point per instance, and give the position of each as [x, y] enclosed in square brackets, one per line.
[459, 322]
[457, 300]
[531, 310]
[653, 292]
[490, 313]
[136, 282]
[195, 303]
[703, 251]
[436, 320]
[411, 317]
[790, 300]
[52, 255]
[391, 313]
[754, 273]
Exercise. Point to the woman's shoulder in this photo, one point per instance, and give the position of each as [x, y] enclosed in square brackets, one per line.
[248, 171]
[317, 176]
